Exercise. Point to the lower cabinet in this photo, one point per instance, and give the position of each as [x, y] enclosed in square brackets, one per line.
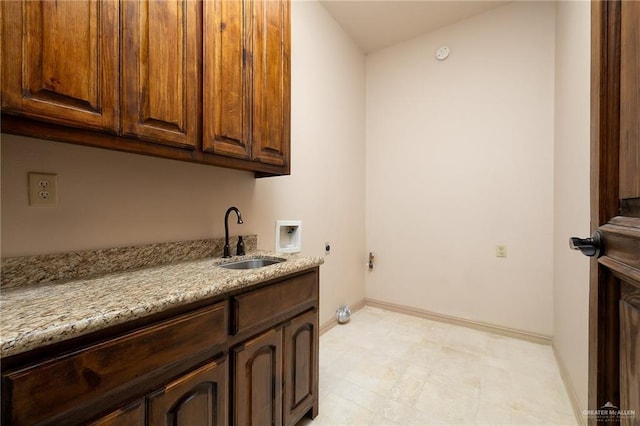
[131, 415]
[258, 381]
[276, 374]
[300, 367]
[198, 398]
[248, 360]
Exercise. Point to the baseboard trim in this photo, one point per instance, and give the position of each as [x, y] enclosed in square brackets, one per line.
[333, 322]
[477, 325]
[571, 390]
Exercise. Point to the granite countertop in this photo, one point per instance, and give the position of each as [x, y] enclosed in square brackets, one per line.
[41, 314]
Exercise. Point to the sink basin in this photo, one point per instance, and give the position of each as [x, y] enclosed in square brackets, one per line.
[252, 263]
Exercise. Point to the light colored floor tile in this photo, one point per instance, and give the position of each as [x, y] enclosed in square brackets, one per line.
[338, 411]
[386, 368]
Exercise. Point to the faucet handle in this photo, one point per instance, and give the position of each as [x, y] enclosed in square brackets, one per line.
[240, 247]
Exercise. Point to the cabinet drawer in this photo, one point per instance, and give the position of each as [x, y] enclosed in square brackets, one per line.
[261, 307]
[100, 370]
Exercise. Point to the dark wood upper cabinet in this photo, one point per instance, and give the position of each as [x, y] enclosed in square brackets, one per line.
[226, 80]
[246, 80]
[60, 62]
[201, 81]
[160, 71]
[270, 41]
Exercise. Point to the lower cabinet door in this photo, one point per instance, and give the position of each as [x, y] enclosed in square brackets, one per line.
[258, 381]
[131, 415]
[197, 398]
[301, 367]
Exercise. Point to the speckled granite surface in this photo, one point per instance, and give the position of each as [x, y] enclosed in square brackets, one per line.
[17, 271]
[37, 315]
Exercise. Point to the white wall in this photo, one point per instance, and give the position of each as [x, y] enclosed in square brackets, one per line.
[571, 193]
[110, 199]
[460, 158]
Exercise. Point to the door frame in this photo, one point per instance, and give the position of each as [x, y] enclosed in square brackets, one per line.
[604, 293]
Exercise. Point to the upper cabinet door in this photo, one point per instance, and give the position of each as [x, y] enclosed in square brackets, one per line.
[60, 61]
[225, 86]
[160, 71]
[270, 41]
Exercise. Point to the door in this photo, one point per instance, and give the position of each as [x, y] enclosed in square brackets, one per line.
[258, 381]
[131, 415]
[160, 71]
[270, 41]
[614, 329]
[301, 367]
[225, 79]
[197, 398]
[60, 61]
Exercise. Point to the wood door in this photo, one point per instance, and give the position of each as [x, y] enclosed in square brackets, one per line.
[225, 79]
[614, 364]
[60, 61]
[198, 398]
[258, 381]
[270, 46]
[301, 367]
[131, 415]
[161, 71]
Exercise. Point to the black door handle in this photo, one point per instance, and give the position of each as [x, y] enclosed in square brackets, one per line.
[588, 246]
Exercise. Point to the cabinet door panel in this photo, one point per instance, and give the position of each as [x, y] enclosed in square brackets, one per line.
[258, 381]
[300, 367]
[198, 398]
[225, 94]
[160, 72]
[60, 61]
[271, 86]
[131, 415]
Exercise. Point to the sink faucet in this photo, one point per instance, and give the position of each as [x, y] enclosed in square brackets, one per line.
[227, 252]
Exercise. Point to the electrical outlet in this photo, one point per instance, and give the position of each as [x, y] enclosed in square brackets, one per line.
[43, 189]
[501, 250]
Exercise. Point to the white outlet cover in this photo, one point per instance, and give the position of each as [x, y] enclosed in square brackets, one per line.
[43, 189]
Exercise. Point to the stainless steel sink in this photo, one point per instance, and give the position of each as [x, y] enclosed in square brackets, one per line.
[252, 263]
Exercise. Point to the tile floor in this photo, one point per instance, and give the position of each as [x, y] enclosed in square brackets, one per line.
[385, 368]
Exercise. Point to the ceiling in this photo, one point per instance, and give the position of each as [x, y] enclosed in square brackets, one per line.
[374, 24]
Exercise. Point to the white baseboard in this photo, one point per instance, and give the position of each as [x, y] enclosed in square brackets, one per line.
[571, 390]
[477, 325]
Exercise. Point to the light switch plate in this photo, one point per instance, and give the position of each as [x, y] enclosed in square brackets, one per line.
[43, 189]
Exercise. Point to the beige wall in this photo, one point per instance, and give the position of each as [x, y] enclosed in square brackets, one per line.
[460, 158]
[110, 199]
[326, 190]
[571, 193]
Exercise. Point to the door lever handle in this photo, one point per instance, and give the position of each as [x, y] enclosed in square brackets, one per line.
[588, 246]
